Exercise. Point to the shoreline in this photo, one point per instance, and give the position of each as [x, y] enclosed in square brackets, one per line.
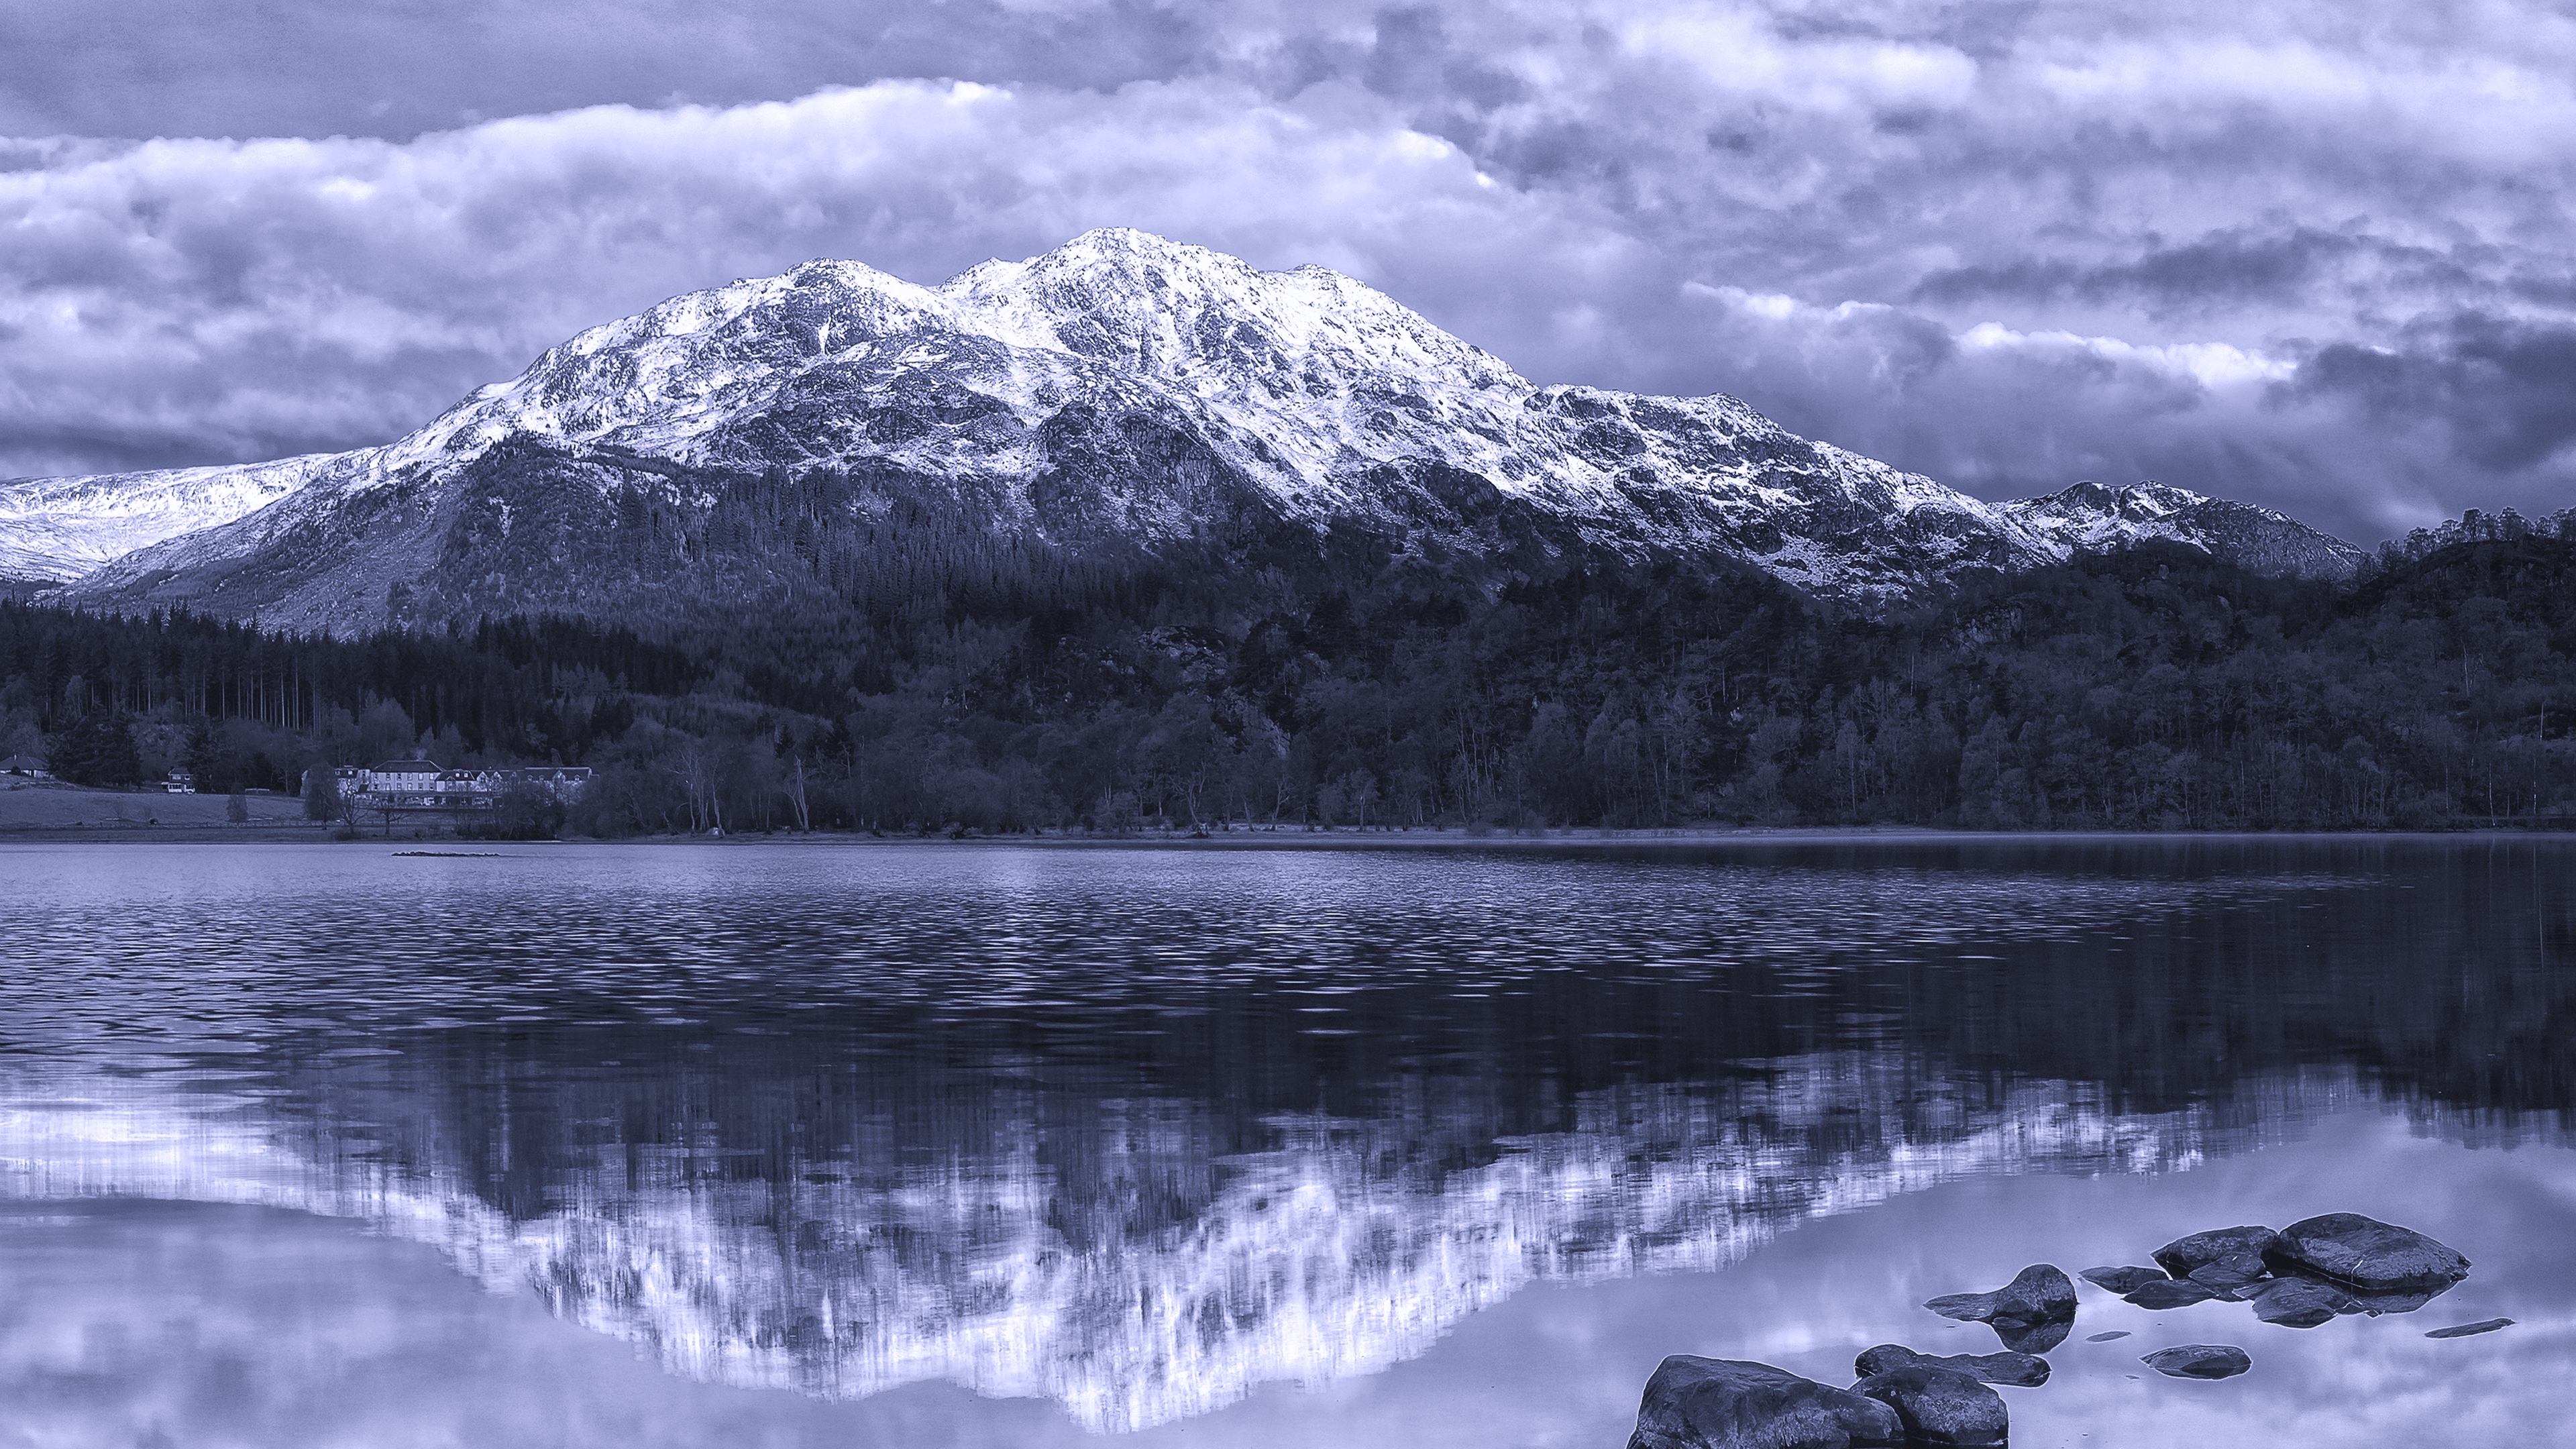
[1429, 838]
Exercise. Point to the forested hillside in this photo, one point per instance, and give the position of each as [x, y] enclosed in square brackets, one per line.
[2147, 689]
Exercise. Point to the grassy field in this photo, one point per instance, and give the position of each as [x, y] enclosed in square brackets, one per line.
[46, 806]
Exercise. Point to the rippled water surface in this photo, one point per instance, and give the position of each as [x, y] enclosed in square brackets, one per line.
[925, 1145]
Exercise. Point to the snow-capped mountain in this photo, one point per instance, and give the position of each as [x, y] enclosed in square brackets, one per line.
[1121, 395]
[2096, 518]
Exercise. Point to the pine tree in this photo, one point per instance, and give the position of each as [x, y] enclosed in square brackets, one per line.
[322, 800]
[97, 749]
[206, 760]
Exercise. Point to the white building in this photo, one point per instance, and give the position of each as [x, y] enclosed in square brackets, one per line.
[416, 785]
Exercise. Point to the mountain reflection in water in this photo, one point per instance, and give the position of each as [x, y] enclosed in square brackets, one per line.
[1138, 1131]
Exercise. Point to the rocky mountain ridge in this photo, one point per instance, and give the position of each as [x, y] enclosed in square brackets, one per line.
[2098, 518]
[1121, 396]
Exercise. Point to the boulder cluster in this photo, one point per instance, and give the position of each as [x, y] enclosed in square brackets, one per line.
[2299, 1277]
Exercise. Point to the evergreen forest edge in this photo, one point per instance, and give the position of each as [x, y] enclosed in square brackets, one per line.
[2152, 688]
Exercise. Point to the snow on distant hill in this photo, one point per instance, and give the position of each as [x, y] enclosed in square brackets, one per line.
[2096, 518]
[62, 528]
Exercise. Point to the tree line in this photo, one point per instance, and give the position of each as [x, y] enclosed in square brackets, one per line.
[2148, 689]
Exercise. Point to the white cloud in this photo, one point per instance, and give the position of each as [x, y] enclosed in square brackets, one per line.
[239, 296]
[1741, 53]
[2002, 244]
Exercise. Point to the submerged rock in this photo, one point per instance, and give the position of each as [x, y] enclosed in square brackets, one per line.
[1718, 1403]
[2300, 1302]
[2018, 1370]
[2401, 1300]
[2199, 1361]
[2170, 1293]
[1939, 1406]
[2368, 1253]
[2463, 1330]
[2183, 1256]
[2107, 1337]
[2031, 1314]
[2123, 1281]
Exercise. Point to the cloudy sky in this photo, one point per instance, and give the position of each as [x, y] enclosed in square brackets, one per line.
[2314, 255]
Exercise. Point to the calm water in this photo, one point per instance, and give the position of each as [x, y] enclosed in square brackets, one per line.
[923, 1145]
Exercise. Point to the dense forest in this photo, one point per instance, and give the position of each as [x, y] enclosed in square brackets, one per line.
[2148, 689]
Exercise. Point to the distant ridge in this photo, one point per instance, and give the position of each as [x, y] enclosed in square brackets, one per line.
[2095, 518]
[2476, 526]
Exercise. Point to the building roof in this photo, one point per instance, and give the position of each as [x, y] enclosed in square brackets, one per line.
[405, 767]
[22, 762]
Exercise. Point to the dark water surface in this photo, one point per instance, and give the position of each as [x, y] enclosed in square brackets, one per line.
[921, 1145]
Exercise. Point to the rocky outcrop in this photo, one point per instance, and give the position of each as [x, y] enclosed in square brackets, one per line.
[1716, 1403]
[2199, 1361]
[2020, 1370]
[1940, 1406]
[2031, 1314]
[2368, 1254]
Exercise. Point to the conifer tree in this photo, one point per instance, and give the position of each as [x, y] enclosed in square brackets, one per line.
[322, 800]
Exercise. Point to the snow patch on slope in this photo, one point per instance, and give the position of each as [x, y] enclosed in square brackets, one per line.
[2096, 518]
[58, 529]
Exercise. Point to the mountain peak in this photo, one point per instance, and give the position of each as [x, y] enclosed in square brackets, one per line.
[2144, 499]
[2092, 517]
[1122, 392]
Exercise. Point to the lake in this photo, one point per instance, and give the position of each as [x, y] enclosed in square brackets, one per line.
[917, 1144]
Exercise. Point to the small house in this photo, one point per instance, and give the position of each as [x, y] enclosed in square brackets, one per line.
[27, 765]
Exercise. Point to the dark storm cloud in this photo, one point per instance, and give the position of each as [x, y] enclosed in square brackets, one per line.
[2315, 256]
[2222, 269]
[2506, 390]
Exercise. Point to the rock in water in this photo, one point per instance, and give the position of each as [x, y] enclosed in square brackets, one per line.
[2377, 1302]
[1939, 1406]
[2184, 1255]
[2031, 1314]
[2170, 1293]
[2367, 1253]
[2463, 1330]
[2199, 1361]
[2225, 1275]
[2019, 1370]
[2123, 1281]
[1718, 1403]
[2107, 1337]
[2298, 1302]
